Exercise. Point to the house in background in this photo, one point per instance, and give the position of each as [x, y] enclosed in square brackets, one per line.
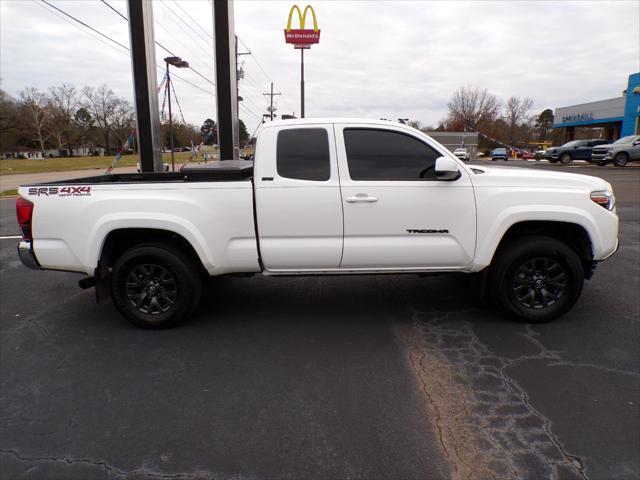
[76, 151]
[22, 153]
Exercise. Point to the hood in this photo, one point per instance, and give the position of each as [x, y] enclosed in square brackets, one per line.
[534, 177]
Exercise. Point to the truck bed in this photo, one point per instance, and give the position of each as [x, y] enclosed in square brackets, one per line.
[224, 171]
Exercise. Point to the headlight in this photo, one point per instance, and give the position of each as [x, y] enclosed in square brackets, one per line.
[604, 198]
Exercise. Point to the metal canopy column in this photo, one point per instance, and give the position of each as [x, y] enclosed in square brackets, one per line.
[227, 94]
[143, 66]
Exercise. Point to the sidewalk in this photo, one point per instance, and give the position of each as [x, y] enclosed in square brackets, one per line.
[9, 182]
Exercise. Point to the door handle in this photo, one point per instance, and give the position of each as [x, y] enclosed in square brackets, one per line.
[362, 198]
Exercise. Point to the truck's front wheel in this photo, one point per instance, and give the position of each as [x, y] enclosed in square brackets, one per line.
[536, 279]
[155, 286]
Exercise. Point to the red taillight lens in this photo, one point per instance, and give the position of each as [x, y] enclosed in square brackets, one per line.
[24, 212]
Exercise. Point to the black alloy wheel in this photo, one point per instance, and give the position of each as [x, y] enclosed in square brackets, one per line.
[536, 278]
[155, 285]
[151, 289]
[539, 282]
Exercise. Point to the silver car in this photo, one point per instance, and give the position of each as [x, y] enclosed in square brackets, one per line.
[620, 152]
[462, 154]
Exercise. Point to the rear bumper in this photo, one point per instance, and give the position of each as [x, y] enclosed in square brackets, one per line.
[27, 257]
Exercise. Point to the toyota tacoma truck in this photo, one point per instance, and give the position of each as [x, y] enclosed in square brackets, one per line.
[323, 197]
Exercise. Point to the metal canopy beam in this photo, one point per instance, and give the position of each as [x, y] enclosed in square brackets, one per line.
[143, 66]
[227, 94]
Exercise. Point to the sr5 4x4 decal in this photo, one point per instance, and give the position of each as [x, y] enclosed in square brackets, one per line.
[72, 191]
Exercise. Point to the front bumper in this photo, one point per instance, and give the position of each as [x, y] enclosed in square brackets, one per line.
[27, 256]
[597, 157]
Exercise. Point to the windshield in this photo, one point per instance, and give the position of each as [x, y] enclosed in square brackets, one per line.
[629, 139]
[572, 144]
[500, 150]
[460, 149]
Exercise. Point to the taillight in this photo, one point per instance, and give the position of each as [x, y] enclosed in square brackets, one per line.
[24, 212]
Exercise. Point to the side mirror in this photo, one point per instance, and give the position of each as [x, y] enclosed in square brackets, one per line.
[447, 169]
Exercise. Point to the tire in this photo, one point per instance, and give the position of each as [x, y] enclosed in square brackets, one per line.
[565, 159]
[621, 159]
[601, 164]
[536, 279]
[164, 281]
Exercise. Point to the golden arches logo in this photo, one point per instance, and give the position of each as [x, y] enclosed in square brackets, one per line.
[302, 17]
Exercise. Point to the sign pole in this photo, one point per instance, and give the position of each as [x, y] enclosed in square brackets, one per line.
[302, 83]
[143, 67]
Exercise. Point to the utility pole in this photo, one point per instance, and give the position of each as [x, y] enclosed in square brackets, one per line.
[271, 94]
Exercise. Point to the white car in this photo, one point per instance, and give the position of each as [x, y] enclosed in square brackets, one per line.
[323, 197]
[462, 154]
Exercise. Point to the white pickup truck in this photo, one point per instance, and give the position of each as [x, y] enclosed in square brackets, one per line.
[323, 196]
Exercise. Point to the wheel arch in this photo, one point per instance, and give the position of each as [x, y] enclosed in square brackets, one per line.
[574, 235]
[120, 240]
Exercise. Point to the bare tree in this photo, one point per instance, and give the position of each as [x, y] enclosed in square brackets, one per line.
[123, 121]
[102, 103]
[36, 106]
[471, 106]
[516, 114]
[63, 105]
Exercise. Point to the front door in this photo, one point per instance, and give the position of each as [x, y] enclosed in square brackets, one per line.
[298, 202]
[397, 215]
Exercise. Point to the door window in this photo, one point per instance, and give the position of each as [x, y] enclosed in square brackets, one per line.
[374, 154]
[303, 154]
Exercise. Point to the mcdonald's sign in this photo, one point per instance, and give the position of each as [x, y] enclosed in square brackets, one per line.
[302, 37]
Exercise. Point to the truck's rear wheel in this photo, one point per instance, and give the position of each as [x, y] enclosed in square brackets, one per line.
[536, 279]
[155, 286]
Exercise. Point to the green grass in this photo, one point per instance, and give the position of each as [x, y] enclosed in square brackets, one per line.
[9, 193]
[13, 167]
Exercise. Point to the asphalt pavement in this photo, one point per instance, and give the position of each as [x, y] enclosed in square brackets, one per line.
[338, 377]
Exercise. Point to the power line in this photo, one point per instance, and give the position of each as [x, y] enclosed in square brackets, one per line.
[208, 34]
[155, 41]
[84, 24]
[198, 35]
[81, 29]
[112, 47]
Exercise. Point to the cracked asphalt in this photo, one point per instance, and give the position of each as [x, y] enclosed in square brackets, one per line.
[351, 377]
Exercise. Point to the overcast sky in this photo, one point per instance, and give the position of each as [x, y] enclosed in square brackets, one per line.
[375, 59]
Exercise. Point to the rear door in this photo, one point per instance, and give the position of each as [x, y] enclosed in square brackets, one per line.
[298, 200]
[397, 215]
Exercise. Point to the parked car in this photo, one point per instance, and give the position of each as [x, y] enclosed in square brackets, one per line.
[499, 154]
[323, 197]
[574, 150]
[462, 154]
[524, 155]
[620, 152]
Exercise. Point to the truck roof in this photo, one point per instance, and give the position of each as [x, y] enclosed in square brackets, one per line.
[312, 121]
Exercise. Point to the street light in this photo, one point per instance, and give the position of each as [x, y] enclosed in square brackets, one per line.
[179, 63]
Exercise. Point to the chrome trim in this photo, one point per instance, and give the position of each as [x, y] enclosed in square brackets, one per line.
[27, 257]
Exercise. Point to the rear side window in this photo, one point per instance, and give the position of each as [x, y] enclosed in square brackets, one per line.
[303, 154]
[388, 155]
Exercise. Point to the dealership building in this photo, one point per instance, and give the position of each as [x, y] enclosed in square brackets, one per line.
[618, 117]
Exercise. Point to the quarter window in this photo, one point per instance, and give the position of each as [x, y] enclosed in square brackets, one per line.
[387, 155]
[303, 154]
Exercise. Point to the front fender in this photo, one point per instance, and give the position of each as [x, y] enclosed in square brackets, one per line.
[490, 235]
